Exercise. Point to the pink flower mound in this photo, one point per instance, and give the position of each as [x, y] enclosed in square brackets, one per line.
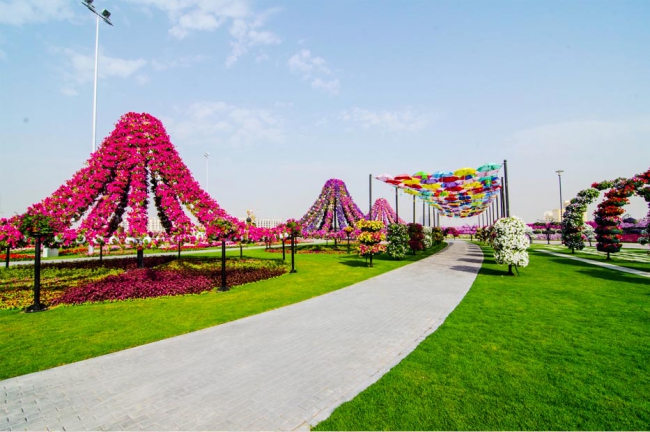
[138, 283]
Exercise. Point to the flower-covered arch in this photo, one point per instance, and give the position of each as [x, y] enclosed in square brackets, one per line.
[607, 215]
[333, 203]
[135, 159]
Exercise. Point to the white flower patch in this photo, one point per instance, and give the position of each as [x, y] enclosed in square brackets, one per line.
[511, 242]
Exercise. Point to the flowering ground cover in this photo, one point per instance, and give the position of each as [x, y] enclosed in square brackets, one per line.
[119, 279]
[563, 347]
[32, 342]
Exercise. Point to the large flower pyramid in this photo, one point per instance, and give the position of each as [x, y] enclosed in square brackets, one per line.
[333, 202]
[382, 211]
[136, 159]
[462, 193]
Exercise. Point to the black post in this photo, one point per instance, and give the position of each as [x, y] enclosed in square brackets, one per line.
[140, 257]
[424, 213]
[507, 192]
[241, 250]
[37, 306]
[101, 253]
[396, 207]
[370, 197]
[293, 253]
[283, 253]
[371, 260]
[348, 242]
[223, 287]
[179, 249]
[503, 202]
[7, 257]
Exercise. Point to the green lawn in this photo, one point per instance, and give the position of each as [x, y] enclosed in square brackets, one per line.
[640, 259]
[65, 334]
[565, 346]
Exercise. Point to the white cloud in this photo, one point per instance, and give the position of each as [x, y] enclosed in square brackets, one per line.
[246, 28]
[261, 58]
[408, 120]
[331, 87]
[217, 121]
[304, 63]
[314, 69]
[19, 12]
[79, 68]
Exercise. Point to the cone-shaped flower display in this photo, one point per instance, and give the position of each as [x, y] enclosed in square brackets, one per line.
[382, 211]
[136, 159]
[333, 204]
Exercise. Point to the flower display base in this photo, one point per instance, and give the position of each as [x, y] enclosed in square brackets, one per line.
[36, 308]
[50, 252]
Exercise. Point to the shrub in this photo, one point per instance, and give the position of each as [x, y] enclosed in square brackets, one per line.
[510, 242]
[398, 239]
[416, 237]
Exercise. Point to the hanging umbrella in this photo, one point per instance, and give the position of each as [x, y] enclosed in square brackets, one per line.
[384, 177]
[393, 182]
[421, 175]
[450, 178]
[488, 167]
[464, 172]
[411, 181]
[402, 177]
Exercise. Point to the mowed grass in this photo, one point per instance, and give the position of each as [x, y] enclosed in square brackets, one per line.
[65, 334]
[565, 346]
[641, 259]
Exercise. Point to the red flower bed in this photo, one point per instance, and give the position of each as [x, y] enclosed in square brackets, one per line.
[137, 283]
[190, 276]
[16, 257]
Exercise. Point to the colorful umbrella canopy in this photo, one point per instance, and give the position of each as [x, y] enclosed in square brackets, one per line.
[462, 193]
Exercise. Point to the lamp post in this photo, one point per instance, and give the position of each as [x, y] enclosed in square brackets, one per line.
[37, 306]
[293, 253]
[206, 155]
[105, 15]
[559, 177]
[284, 236]
[223, 286]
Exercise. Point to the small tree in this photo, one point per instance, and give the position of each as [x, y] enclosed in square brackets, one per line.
[416, 237]
[437, 236]
[398, 240]
[428, 240]
[510, 243]
[370, 238]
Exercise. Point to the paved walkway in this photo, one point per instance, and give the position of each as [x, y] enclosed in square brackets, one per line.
[601, 264]
[281, 370]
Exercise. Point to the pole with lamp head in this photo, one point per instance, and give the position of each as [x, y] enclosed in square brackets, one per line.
[105, 15]
[559, 177]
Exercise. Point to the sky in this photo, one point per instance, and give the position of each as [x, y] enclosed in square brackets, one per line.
[285, 95]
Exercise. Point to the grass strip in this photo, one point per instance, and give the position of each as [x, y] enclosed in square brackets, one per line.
[66, 334]
[564, 346]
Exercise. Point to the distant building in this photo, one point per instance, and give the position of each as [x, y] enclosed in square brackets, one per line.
[267, 223]
[154, 225]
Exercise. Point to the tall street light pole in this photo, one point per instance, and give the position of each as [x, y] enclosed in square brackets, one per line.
[206, 155]
[559, 176]
[105, 15]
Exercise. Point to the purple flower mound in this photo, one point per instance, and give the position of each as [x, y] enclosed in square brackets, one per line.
[137, 283]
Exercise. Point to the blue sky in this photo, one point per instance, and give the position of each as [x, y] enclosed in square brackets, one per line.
[287, 94]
